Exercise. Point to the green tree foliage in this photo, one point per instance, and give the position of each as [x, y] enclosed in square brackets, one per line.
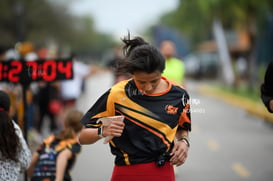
[88, 41]
[195, 17]
[41, 21]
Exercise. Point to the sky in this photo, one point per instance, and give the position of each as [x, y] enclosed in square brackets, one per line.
[118, 16]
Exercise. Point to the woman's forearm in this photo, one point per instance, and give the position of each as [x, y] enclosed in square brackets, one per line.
[88, 136]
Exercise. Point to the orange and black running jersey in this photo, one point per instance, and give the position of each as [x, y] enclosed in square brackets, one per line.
[49, 150]
[151, 121]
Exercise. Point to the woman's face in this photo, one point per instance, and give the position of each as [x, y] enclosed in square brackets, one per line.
[147, 82]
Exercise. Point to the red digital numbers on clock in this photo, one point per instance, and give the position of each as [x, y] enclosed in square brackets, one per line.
[1, 71]
[40, 70]
[16, 69]
[10, 71]
[49, 70]
[65, 68]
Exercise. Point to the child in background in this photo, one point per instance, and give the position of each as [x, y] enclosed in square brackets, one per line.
[57, 154]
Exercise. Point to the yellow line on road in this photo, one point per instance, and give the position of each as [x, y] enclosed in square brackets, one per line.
[213, 145]
[240, 170]
[255, 108]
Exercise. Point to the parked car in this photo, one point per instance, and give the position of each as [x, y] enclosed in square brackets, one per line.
[202, 65]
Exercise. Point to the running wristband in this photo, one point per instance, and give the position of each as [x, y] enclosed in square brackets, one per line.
[185, 140]
[100, 129]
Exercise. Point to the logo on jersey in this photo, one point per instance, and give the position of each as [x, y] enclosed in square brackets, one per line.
[171, 109]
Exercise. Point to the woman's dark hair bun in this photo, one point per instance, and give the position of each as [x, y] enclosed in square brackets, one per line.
[131, 44]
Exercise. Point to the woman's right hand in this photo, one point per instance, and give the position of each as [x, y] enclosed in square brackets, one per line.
[114, 129]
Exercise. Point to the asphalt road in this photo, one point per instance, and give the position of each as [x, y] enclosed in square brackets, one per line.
[227, 144]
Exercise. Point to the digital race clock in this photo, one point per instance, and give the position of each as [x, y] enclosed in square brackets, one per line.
[20, 71]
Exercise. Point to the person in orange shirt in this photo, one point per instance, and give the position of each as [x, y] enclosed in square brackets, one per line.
[153, 136]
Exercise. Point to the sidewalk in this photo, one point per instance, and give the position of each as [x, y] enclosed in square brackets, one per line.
[254, 108]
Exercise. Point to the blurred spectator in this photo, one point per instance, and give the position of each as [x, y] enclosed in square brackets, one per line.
[12, 54]
[175, 69]
[2, 53]
[14, 152]
[117, 55]
[267, 88]
[43, 53]
[57, 154]
[24, 48]
[70, 90]
[46, 93]
[114, 63]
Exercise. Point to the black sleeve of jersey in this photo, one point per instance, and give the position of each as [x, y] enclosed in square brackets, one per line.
[267, 87]
[99, 106]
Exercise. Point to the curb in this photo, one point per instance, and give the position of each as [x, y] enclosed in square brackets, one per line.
[255, 108]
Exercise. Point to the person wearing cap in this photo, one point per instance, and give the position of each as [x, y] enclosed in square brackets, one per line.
[15, 154]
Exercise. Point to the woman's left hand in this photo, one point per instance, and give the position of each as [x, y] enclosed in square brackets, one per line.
[179, 153]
